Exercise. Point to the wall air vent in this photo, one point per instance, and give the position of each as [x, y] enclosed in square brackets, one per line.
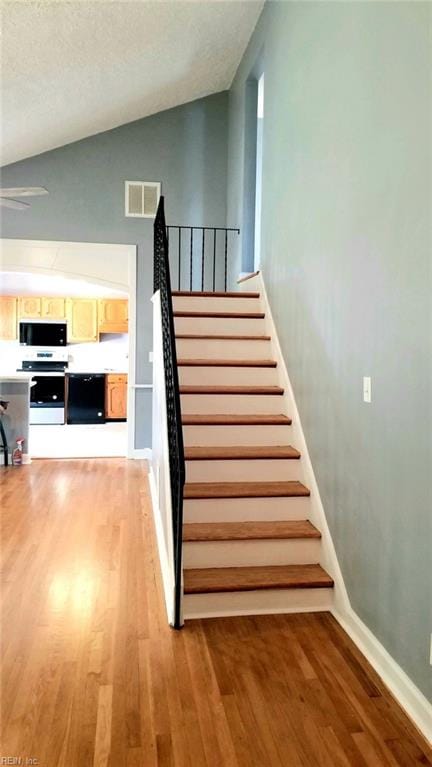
[141, 198]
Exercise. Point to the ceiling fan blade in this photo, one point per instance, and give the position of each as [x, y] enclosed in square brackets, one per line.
[23, 191]
[5, 203]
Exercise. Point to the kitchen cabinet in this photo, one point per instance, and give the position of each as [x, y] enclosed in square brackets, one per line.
[81, 315]
[8, 318]
[53, 308]
[115, 396]
[30, 307]
[113, 315]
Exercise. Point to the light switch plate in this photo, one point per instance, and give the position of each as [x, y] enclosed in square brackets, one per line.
[150, 356]
[367, 389]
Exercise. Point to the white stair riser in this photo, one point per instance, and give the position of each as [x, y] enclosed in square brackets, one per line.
[246, 509]
[209, 348]
[256, 602]
[224, 325]
[251, 553]
[208, 304]
[237, 435]
[228, 376]
[258, 470]
[232, 403]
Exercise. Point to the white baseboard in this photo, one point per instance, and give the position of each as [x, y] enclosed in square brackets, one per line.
[409, 697]
[142, 453]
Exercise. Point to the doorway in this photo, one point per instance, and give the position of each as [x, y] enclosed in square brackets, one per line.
[88, 284]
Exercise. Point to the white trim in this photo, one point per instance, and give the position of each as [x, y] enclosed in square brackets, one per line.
[132, 279]
[162, 510]
[329, 559]
[142, 453]
[162, 551]
[409, 697]
[142, 386]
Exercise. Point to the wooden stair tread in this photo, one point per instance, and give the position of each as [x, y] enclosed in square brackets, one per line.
[221, 315]
[221, 419]
[192, 389]
[279, 489]
[207, 336]
[209, 363]
[217, 579]
[240, 452]
[215, 294]
[248, 531]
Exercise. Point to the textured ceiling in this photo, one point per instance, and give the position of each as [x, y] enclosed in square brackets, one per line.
[72, 69]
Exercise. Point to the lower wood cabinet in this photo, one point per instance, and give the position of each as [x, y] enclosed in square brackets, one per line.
[116, 395]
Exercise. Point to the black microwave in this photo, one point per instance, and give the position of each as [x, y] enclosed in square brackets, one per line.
[42, 334]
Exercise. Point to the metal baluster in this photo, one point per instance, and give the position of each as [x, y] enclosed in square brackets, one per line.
[226, 257]
[202, 259]
[191, 258]
[214, 260]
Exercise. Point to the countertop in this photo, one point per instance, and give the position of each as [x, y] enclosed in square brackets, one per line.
[15, 377]
[93, 371]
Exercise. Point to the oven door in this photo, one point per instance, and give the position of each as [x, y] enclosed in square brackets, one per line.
[47, 399]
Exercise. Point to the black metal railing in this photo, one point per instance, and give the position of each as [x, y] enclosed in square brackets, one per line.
[199, 256]
[162, 282]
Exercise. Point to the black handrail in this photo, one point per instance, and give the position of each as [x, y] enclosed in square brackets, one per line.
[162, 282]
[211, 251]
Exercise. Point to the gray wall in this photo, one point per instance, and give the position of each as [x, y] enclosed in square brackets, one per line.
[347, 260]
[184, 148]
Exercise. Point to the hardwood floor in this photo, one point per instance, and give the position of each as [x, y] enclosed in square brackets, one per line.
[93, 676]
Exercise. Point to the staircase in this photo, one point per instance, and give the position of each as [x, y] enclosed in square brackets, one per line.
[248, 544]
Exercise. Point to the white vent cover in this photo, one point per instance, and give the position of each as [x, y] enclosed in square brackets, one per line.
[141, 198]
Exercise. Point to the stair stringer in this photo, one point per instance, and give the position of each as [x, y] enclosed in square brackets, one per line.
[328, 558]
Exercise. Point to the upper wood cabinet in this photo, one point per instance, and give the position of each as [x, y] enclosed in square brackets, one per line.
[30, 307]
[113, 315]
[53, 308]
[81, 315]
[8, 318]
[86, 317]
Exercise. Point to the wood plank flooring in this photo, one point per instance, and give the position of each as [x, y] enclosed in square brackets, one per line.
[92, 676]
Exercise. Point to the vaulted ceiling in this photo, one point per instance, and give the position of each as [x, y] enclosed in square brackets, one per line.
[74, 68]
